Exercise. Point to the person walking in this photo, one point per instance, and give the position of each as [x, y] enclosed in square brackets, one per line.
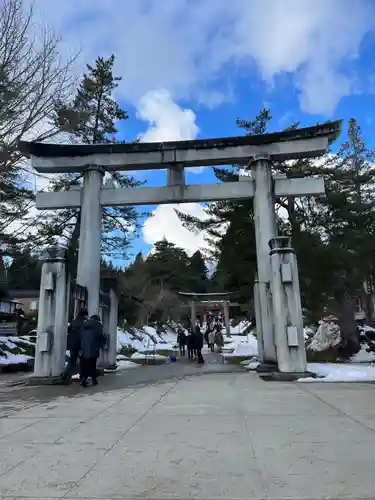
[92, 340]
[198, 341]
[190, 344]
[181, 340]
[73, 344]
[219, 338]
[206, 333]
[20, 320]
[211, 340]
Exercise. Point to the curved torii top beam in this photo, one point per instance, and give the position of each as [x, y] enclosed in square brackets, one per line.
[290, 144]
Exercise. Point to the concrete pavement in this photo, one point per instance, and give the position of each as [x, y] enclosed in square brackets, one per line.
[217, 436]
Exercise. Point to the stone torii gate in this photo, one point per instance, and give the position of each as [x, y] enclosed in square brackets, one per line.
[254, 152]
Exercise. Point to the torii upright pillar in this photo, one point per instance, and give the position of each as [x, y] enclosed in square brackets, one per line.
[193, 313]
[265, 230]
[226, 317]
[88, 270]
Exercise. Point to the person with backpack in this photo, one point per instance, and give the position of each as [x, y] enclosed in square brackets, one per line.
[74, 343]
[92, 340]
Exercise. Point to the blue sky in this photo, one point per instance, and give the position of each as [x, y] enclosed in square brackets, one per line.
[191, 67]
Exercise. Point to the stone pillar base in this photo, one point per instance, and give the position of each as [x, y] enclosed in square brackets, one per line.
[267, 367]
[285, 377]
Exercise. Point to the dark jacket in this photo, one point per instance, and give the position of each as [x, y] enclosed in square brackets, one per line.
[181, 338]
[74, 334]
[198, 338]
[92, 339]
[190, 340]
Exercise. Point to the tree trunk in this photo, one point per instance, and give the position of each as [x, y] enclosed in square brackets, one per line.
[72, 256]
[3, 279]
[369, 309]
[350, 344]
[292, 217]
[368, 301]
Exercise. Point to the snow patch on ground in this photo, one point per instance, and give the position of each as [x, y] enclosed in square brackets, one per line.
[366, 329]
[252, 365]
[12, 349]
[245, 346]
[126, 365]
[240, 328]
[14, 359]
[140, 355]
[340, 372]
[363, 356]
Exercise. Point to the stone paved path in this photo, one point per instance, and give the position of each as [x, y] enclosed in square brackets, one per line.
[221, 435]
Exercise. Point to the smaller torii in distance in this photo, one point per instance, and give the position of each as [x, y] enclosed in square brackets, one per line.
[214, 300]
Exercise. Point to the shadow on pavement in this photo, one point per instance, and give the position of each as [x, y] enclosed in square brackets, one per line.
[143, 375]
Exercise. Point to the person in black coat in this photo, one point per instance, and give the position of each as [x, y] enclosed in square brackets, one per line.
[198, 341]
[92, 340]
[74, 342]
[190, 344]
[181, 339]
[20, 320]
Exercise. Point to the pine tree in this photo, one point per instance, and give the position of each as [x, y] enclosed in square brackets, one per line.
[91, 118]
[23, 271]
[197, 270]
[230, 227]
[168, 266]
[346, 217]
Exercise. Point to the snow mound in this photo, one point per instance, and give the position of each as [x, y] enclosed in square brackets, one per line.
[126, 365]
[363, 356]
[241, 328]
[146, 338]
[253, 365]
[15, 351]
[247, 346]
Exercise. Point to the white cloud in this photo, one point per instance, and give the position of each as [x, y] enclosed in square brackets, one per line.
[168, 121]
[185, 46]
[164, 223]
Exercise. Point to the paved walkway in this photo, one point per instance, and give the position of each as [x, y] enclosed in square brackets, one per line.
[215, 436]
